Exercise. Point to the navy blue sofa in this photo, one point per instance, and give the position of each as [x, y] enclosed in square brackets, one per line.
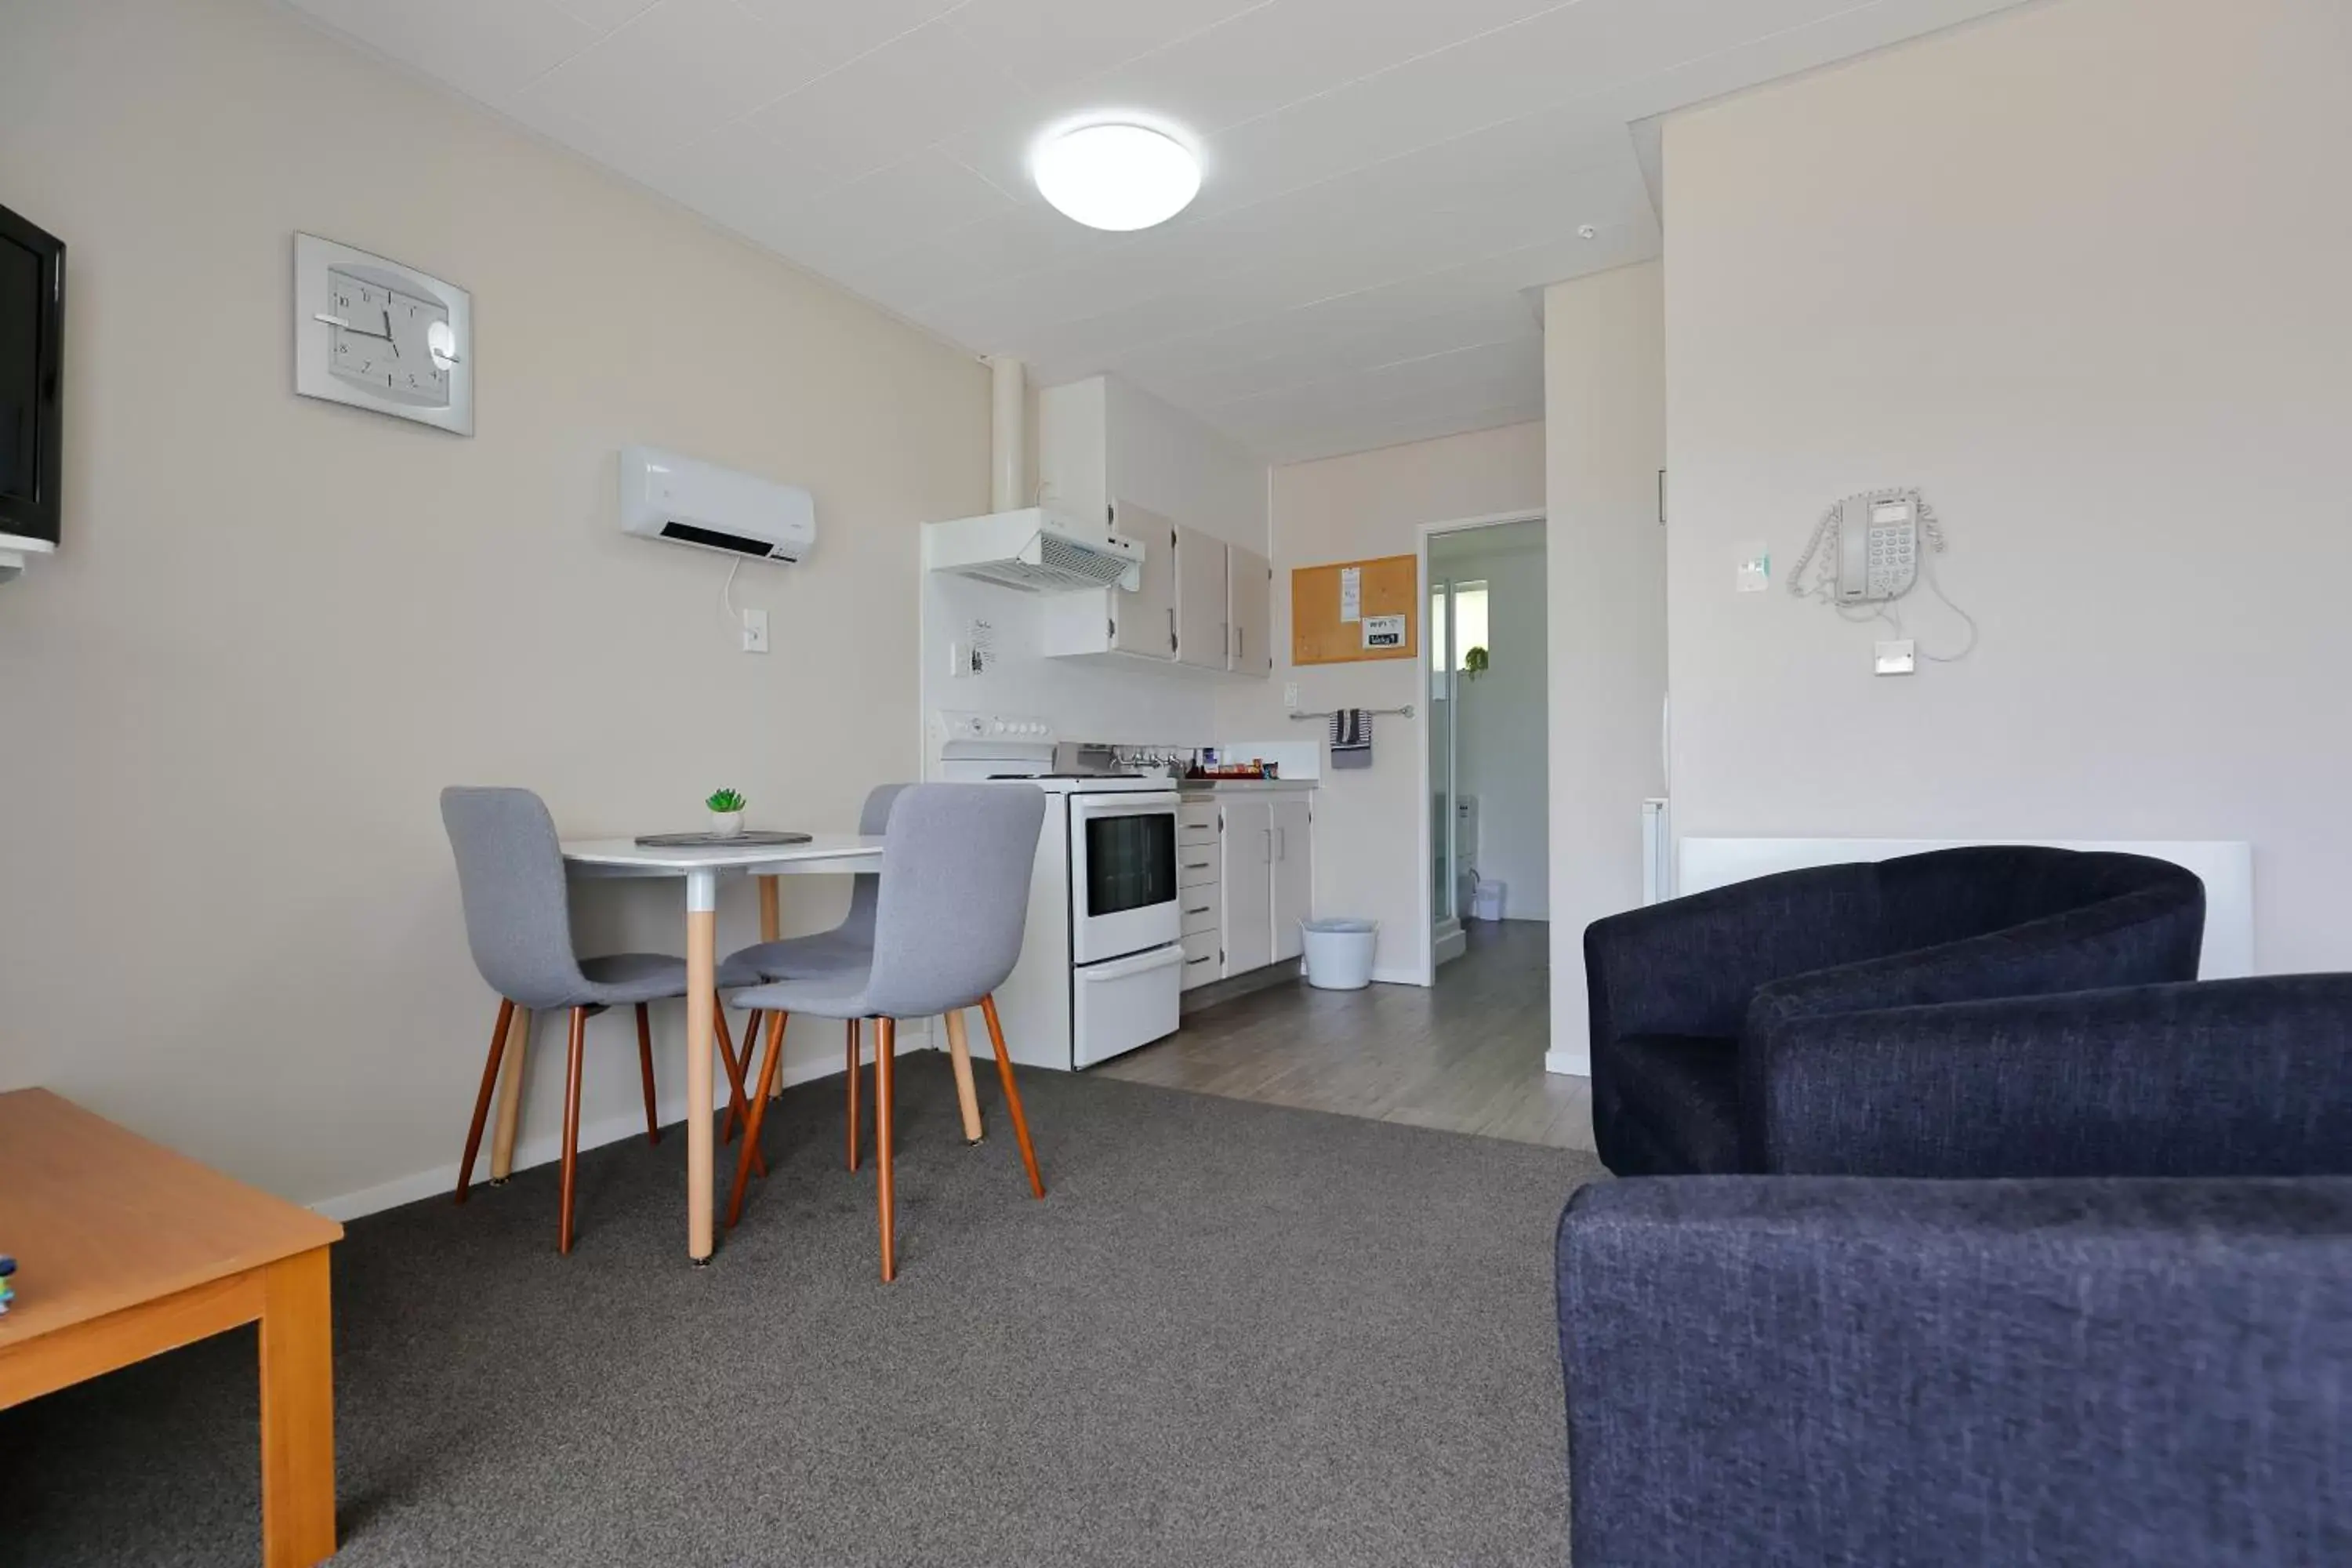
[1680, 991]
[2123, 1336]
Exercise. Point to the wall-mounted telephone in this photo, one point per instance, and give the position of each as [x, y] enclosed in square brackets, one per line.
[1870, 550]
[1878, 547]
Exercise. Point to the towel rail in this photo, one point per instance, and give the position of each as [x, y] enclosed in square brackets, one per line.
[1405, 713]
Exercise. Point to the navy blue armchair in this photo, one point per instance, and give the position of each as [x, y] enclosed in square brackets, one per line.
[1679, 992]
[2122, 1335]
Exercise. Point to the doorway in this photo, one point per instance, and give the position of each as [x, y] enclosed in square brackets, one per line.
[1487, 832]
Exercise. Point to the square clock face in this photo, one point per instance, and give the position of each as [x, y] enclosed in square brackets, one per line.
[370, 332]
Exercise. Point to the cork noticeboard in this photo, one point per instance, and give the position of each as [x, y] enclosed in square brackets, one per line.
[1349, 610]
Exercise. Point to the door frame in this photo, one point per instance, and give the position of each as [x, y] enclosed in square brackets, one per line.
[1422, 712]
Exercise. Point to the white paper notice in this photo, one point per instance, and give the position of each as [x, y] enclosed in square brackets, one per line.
[1385, 631]
[1352, 593]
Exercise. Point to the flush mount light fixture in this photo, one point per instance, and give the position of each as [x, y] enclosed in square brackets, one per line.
[1116, 177]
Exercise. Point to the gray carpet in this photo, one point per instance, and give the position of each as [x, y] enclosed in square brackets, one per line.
[1231, 1333]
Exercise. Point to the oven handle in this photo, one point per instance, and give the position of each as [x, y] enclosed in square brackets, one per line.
[1125, 804]
[1134, 964]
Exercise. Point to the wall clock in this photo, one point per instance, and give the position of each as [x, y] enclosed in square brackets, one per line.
[375, 335]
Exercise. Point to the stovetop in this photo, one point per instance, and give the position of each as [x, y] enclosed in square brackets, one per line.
[1044, 777]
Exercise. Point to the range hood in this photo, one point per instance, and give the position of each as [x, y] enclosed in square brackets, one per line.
[1034, 550]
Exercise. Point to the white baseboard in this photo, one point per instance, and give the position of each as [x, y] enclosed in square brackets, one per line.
[1389, 974]
[1568, 1064]
[546, 1148]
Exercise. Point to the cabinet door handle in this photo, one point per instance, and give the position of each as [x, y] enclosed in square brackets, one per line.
[1282, 844]
[1171, 628]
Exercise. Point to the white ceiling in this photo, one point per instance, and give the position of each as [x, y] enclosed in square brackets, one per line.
[1383, 178]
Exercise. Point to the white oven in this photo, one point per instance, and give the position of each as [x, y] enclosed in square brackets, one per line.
[1122, 874]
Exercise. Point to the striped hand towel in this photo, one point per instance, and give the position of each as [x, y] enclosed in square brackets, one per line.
[1351, 738]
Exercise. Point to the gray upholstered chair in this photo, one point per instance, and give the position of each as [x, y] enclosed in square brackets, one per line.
[948, 917]
[847, 949]
[518, 925]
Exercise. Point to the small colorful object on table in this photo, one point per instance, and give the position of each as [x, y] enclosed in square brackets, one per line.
[7, 1291]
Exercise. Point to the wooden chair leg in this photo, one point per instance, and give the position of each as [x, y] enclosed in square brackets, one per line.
[851, 1075]
[735, 1110]
[645, 1067]
[886, 1047]
[571, 1127]
[1012, 1094]
[960, 1056]
[482, 1101]
[759, 1116]
[752, 1044]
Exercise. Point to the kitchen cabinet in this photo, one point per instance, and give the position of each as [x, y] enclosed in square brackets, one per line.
[1248, 882]
[1292, 873]
[1100, 444]
[1249, 612]
[1246, 876]
[1200, 620]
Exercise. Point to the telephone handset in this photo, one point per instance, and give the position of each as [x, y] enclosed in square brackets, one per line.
[1878, 547]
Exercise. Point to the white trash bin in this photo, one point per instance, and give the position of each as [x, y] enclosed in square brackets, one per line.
[1486, 903]
[1339, 953]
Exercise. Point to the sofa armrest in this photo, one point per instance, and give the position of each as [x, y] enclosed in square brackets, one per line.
[1690, 965]
[1784, 1370]
[2242, 1078]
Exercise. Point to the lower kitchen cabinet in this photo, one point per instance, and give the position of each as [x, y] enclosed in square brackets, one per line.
[1262, 845]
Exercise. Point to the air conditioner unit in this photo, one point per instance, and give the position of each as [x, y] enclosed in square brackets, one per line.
[1034, 550]
[664, 496]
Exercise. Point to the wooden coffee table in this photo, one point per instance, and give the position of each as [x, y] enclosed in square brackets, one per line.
[125, 1249]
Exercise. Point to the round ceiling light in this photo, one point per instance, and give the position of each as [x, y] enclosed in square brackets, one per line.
[1117, 177]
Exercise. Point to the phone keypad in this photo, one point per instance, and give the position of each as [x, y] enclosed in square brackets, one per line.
[1893, 561]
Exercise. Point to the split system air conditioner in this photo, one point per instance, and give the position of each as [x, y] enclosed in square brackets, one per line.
[1036, 549]
[664, 496]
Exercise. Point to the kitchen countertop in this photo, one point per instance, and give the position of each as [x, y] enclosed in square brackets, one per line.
[1241, 787]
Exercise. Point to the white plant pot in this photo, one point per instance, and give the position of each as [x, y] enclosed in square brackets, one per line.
[727, 824]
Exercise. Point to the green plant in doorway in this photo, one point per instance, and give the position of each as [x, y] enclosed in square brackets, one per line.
[1474, 663]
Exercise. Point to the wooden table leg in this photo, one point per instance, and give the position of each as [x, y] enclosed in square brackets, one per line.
[959, 1054]
[701, 1040]
[771, 927]
[298, 1413]
[503, 1142]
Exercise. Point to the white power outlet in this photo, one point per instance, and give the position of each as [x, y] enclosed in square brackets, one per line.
[755, 631]
[1290, 696]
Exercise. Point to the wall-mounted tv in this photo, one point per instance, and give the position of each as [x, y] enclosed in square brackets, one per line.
[32, 376]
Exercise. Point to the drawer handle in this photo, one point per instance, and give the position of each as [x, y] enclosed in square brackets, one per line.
[1189, 962]
[1196, 865]
[1201, 911]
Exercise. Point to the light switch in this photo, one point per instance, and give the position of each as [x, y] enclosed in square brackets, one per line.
[755, 631]
[1290, 696]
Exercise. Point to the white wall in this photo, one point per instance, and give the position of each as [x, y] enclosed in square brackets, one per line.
[1605, 410]
[1366, 857]
[278, 626]
[2080, 273]
[1499, 745]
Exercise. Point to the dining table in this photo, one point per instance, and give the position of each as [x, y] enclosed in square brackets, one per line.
[701, 868]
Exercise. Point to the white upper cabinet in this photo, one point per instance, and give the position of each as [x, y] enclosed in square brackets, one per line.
[1249, 612]
[1107, 450]
[1202, 621]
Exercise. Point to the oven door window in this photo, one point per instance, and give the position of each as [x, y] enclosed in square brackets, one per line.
[1130, 862]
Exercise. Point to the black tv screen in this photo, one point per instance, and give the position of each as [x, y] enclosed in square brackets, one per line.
[32, 351]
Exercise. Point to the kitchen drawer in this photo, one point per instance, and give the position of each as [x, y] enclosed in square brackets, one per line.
[1201, 908]
[1196, 865]
[1203, 962]
[1196, 822]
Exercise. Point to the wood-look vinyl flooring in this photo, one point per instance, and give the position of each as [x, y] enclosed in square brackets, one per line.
[1465, 1055]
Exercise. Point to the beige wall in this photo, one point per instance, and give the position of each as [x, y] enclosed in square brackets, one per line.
[1604, 409]
[2080, 274]
[1366, 856]
[277, 626]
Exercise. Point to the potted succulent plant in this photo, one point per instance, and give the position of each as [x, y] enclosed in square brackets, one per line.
[726, 811]
[1474, 663]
